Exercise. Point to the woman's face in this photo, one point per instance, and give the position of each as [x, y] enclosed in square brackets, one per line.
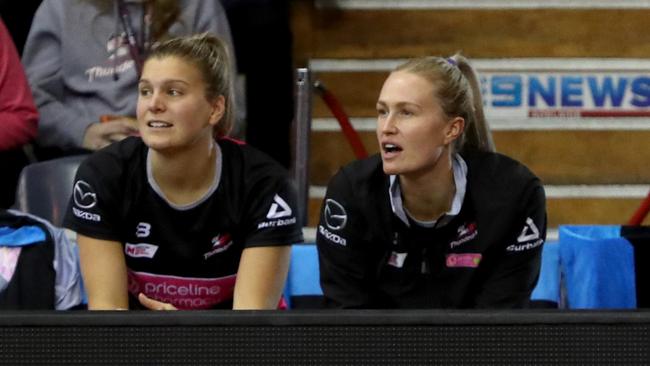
[412, 129]
[173, 111]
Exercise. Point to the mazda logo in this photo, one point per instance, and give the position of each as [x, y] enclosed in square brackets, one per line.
[335, 215]
[83, 195]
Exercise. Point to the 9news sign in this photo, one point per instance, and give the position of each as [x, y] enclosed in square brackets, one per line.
[565, 87]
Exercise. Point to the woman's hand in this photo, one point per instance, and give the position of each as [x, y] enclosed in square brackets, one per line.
[152, 304]
[99, 135]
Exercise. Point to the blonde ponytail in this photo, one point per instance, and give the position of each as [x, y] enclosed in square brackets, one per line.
[458, 90]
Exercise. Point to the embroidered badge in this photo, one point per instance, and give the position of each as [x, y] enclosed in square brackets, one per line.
[468, 260]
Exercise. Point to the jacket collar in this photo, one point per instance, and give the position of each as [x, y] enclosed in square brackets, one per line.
[459, 168]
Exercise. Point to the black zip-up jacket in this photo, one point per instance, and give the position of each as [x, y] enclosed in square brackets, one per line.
[488, 256]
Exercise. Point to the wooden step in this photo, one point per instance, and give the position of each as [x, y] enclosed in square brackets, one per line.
[561, 211]
[532, 32]
[557, 157]
[356, 91]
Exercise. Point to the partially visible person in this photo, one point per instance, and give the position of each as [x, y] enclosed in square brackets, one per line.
[18, 117]
[83, 59]
[184, 217]
[436, 220]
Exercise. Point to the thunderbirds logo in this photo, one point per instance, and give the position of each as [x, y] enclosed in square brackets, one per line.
[220, 243]
[465, 233]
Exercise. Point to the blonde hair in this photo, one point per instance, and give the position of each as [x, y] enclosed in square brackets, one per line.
[211, 56]
[456, 87]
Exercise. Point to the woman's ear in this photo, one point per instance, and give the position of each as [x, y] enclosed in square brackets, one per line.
[454, 129]
[218, 110]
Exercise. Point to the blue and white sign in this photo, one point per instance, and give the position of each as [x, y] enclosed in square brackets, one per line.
[595, 91]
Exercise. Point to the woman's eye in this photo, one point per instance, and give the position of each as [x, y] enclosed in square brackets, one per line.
[406, 113]
[174, 92]
[381, 112]
[145, 92]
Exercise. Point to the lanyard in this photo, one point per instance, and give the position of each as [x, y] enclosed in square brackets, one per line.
[137, 47]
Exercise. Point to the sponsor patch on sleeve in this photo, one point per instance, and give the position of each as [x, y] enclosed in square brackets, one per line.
[84, 198]
[528, 239]
[280, 214]
[331, 237]
[335, 216]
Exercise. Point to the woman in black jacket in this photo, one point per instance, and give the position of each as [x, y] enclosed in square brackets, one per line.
[436, 220]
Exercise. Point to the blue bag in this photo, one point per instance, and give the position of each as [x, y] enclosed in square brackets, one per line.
[598, 267]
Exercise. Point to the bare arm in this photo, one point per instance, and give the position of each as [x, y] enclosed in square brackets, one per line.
[104, 272]
[261, 277]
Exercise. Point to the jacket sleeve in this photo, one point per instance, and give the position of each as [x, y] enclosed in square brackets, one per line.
[18, 116]
[343, 260]
[272, 217]
[97, 198]
[42, 59]
[513, 266]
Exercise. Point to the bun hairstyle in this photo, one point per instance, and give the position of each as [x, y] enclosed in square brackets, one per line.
[210, 55]
[457, 88]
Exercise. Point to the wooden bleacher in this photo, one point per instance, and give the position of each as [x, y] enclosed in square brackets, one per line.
[616, 160]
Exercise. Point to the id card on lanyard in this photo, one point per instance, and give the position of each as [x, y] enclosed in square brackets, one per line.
[137, 47]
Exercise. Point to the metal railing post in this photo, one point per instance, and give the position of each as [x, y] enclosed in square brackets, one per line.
[300, 131]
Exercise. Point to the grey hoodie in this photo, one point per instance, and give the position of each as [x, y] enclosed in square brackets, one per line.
[76, 75]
